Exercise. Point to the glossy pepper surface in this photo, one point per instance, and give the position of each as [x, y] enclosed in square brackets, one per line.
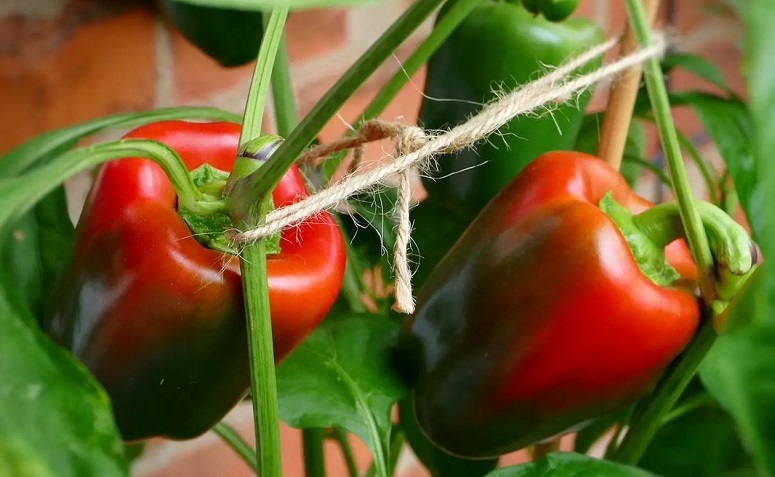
[499, 45]
[539, 318]
[157, 317]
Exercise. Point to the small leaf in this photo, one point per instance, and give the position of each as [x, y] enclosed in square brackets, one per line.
[729, 125]
[54, 419]
[696, 65]
[340, 377]
[567, 464]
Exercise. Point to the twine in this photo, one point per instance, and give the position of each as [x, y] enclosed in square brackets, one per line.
[414, 148]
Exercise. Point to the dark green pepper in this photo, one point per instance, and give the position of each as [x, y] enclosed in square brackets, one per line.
[499, 45]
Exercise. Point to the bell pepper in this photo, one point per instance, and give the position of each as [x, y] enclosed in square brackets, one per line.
[499, 45]
[541, 317]
[157, 317]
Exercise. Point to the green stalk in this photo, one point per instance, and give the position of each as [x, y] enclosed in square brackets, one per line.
[443, 28]
[347, 452]
[264, 179]
[265, 408]
[285, 119]
[397, 440]
[259, 85]
[282, 93]
[441, 31]
[22, 192]
[253, 269]
[44, 145]
[698, 242]
[314, 455]
[237, 444]
[651, 411]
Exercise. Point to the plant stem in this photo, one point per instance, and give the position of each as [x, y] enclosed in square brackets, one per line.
[264, 179]
[347, 452]
[22, 192]
[285, 119]
[237, 444]
[27, 154]
[698, 242]
[261, 350]
[397, 440]
[650, 413]
[259, 85]
[253, 269]
[314, 455]
[282, 93]
[443, 28]
[441, 31]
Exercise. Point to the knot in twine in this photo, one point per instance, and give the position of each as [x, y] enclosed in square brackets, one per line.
[413, 147]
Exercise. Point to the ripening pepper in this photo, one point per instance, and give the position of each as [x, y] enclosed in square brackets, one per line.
[499, 45]
[157, 317]
[552, 310]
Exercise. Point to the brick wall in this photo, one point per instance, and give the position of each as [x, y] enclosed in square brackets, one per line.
[65, 61]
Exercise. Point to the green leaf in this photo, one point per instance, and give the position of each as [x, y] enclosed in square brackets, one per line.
[230, 37]
[253, 5]
[703, 442]
[59, 140]
[37, 249]
[339, 377]
[54, 418]
[567, 464]
[437, 462]
[739, 371]
[696, 65]
[730, 126]
[760, 36]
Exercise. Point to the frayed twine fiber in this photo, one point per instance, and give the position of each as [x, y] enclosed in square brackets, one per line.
[414, 148]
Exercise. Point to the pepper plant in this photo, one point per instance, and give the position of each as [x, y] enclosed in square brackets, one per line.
[551, 298]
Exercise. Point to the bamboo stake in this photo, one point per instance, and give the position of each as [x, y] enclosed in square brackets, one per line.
[621, 100]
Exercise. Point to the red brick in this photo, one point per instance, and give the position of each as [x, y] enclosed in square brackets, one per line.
[196, 76]
[52, 79]
[313, 33]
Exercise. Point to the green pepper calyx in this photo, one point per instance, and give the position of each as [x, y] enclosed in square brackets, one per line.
[208, 229]
[648, 254]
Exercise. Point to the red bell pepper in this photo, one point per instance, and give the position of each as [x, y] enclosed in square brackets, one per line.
[157, 317]
[539, 318]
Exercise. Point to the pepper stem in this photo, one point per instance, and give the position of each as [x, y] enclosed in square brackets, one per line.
[734, 254]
